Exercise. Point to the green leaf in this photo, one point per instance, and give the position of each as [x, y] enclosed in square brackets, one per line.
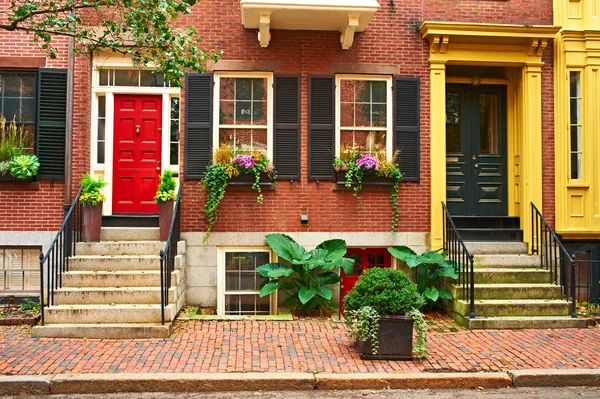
[306, 294]
[444, 293]
[448, 272]
[335, 249]
[274, 270]
[402, 252]
[431, 293]
[324, 292]
[329, 278]
[269, 288]
[348, 265]
[280, 244]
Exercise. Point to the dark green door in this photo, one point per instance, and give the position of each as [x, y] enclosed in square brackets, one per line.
[476, 150]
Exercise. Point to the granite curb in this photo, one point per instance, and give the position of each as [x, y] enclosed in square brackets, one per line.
[230, 382]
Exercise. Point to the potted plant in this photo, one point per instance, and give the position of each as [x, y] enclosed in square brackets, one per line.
[91, 198]
[308, 278]
[355, 168]
[233, 167]
[165, 196]
[380, 312]
[17, 162]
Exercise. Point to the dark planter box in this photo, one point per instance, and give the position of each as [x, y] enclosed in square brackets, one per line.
[17, 321]
[340, 178]
[248, 180]
[10, 178]
[395, 340]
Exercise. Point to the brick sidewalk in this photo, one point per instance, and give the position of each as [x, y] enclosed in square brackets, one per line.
[305, 345]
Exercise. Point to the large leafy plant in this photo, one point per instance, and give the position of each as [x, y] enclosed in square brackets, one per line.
[308, 278]
[24, 166]
[431, 267]
[90, 193]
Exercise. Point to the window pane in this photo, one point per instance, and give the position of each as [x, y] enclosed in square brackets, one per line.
[12, 86]
[101, 129]
[378, 92]
[103, 77]
[227, 90]
[12, 109]
[347, 114]
[379, 117]
[575, 138]
[127, 77]
[488, 123]
[175, 108]
[575, 85]
[575, 120]
[175, 130]
[453, 123]
[243, 113]
[174, 154]
[101, 106]
[28, 88]
[575, 166]
[150, 79]
[245, 140]
[226, 110]
[575, 111]
[27, 110]
[243, 89]
[363, 103]
[101, 152]
[232, 304]
[365, 141]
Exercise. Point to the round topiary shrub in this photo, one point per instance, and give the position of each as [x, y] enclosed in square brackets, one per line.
[388, 291]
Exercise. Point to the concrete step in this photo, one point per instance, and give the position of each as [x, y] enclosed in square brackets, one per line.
[107, 296]
[496, 248]
[515, 308]
[511, 275]
[134, 278]
[510, 291]
[82, 263]
[103, 331]
[93, 314]
[491, 234]
[507, 261]
[129, 234]
[512, 323]
[120, 248]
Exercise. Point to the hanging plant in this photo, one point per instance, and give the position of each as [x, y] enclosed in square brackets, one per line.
[229, 164]
[356, 166]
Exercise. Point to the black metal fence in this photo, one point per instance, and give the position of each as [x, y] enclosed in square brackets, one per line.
[55, 262]
[167, 256]
[586, 277]
[555, 258]
[461, 258]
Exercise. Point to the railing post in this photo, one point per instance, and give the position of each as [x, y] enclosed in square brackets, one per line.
[42, 288]
[471, 261]
[162, 287]
[573, 300]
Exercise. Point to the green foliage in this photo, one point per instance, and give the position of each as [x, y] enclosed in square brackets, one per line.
[166, 188]
[309, 275]
[143, 29]
[420, 326]
[217, 176]
[90, 194]
[347, 163]
[363, 324]
[30, 305]
[388, 291]
[24, 166]
[431, 268]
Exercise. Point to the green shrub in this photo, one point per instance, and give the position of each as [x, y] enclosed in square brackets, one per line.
[29, 304]
[388, 291]
[166, 188]
[24, 166]
[90, 194]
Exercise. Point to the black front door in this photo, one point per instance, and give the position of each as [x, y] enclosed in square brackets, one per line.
[476, 150]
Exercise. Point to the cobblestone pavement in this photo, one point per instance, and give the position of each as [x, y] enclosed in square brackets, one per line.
[302, 345]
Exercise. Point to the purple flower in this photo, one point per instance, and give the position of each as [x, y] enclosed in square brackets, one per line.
[368, 162]
[246, 161]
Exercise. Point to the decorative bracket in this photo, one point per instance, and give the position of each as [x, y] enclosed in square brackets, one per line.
[264, 32]
[347, 36]
[439, 44]
[537, 47]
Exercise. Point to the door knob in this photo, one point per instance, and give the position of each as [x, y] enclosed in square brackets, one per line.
[137, 130]
[159, 129]
[476, 166]
[158, 168]
[158, 162]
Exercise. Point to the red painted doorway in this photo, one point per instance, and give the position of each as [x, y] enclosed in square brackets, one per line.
[137, 153]
[364, 259]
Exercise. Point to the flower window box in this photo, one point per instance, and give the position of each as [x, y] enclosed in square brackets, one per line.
[340, 178]
[249, 179]
[9, 178]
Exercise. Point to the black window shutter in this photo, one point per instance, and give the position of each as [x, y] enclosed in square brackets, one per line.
[287, 127]
[407, 126]
[51, 123]
[198, 124]
[321, 128]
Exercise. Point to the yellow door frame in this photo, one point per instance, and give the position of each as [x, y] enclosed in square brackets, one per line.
[520, 49]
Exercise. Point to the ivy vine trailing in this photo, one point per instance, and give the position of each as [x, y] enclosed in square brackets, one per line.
[231, 163]
[363, 325]
[420, 346]
[356, 166]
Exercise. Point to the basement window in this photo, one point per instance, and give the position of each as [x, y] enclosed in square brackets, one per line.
[19, 270]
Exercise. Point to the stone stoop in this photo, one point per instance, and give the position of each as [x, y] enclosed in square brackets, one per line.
[112, 289]
[511, 291]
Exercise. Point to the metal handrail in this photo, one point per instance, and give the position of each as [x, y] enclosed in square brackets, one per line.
[60, 250]
[167, 257]
[546, 244]
[461, 258]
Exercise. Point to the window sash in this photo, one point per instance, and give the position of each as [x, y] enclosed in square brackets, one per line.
[29, 124]
[575, 132]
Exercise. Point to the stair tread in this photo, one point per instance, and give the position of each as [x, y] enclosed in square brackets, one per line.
[124, 288]
[515, 285]
[108, 256]
[111, 272]
[518, 301]
[528, 269]
[98, 325]
[526, 317]
[98, 306]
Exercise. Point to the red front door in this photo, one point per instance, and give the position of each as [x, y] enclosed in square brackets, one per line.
[364, 259]
[136, 165]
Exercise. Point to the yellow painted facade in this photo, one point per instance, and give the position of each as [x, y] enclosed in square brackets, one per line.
[577, 55]
[519, 49]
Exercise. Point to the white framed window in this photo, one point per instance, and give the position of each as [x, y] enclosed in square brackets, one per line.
[243, 112]
[20, 270]
[364, 114]
[239, 283]
[174, 133]
[575, 125]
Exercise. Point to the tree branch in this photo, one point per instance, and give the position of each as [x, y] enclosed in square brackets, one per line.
[15, 22]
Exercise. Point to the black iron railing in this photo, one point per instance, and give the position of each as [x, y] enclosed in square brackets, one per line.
[461, 258]
[555, 257]
[55, 262]
[167, 257]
